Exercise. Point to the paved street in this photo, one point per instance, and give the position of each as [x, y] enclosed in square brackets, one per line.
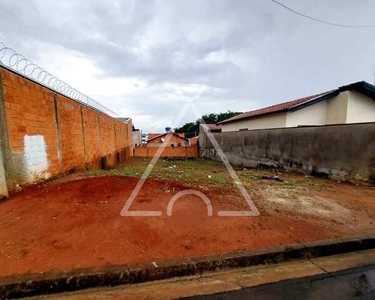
[357, 283]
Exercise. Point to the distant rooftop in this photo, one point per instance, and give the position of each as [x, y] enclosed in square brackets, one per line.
[212, 127]
[125, 120]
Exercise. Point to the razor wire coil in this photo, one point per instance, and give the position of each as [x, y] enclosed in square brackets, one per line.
[17, 62]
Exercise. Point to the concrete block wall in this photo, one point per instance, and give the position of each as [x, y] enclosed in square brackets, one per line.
[44, 134]
[344, 152]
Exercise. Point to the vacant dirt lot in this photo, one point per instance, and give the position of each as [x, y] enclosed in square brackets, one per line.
[75, 222]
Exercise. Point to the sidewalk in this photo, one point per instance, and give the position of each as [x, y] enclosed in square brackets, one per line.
[322, 268]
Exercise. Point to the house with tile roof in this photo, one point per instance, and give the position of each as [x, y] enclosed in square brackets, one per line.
[174, 145]
[353, 103]
[169, 139]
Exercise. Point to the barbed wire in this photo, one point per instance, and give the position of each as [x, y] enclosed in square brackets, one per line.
[17, 62]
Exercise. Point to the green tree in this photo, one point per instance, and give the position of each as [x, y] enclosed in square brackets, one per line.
[187, 127]
[227, 115]
[210, 118]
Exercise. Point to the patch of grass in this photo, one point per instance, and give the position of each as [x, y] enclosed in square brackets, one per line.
[192, 172]
[98, 172]
[132, 172]
[290, 184]
[304, 186]
[220, 180]
[254, 177]
[201, 172]
[319, 187]
[206, 173]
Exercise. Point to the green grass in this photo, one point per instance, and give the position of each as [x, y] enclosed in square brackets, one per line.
[254, 177]
[194, 172]
[290, 184]
[319, 187]
[133, 172]
[208, 173]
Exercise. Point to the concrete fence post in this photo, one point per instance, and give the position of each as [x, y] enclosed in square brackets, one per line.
[99, 138]
[83, 137]
[58, 133]
[114, 142]
[4, 142]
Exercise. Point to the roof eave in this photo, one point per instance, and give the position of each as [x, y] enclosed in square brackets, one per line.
[314, 101]
[362, 87]
[249, 117]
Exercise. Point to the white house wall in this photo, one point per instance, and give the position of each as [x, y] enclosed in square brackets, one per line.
[137, 138]
[311, 115]
[347, 107]
[263, 122]
[360, 108]
[337, 108]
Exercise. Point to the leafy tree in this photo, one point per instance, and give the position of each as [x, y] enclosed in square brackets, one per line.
[187, 127]
[210, 118]
[227, 115]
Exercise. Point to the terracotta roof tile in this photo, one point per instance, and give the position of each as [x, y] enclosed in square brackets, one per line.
[212, 126]
[164, 134]
[272, 109]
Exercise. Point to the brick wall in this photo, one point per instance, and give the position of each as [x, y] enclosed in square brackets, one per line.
[188, 152]
[92, 137]
[44, 134]
[71, 135]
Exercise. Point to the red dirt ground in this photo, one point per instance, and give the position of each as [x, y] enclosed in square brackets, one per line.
[60, 226]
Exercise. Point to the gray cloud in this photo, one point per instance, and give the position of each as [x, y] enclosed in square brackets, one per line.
[251, 53]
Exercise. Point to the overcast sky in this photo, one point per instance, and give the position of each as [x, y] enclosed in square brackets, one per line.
[143, 59]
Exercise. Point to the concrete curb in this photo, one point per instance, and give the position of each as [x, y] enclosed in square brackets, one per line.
[33, 285]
